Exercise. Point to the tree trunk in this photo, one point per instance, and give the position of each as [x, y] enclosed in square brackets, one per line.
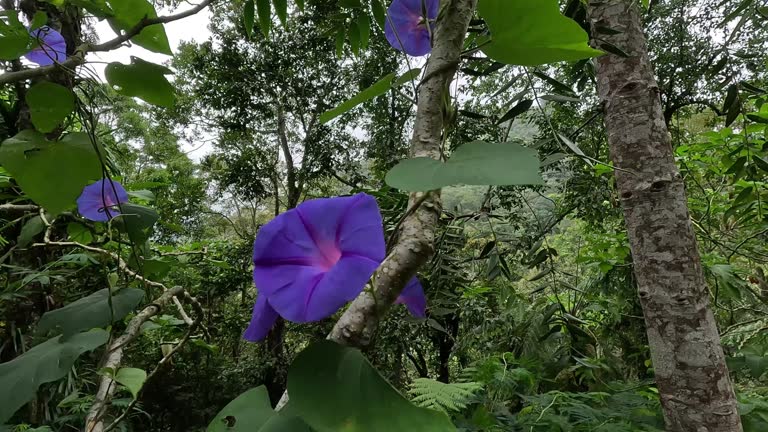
[694, 386]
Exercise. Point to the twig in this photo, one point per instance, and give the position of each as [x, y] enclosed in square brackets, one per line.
[18, 208]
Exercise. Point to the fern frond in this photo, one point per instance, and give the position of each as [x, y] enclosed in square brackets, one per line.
[454, 397]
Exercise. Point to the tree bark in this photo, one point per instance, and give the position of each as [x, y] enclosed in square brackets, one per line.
[694, 386]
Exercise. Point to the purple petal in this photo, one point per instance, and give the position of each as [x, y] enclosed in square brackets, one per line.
[413, 298]
[405, 28]
[98, 200]
[311, 260]
[313, 299]
[353, 224]
[262, 320]
[52, 47]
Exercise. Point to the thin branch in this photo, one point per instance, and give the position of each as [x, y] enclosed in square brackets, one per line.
[18, 208]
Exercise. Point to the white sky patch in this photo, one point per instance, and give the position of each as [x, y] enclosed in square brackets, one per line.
[193, 28]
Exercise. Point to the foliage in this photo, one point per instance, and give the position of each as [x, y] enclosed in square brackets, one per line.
[443, 397]
[533, 322]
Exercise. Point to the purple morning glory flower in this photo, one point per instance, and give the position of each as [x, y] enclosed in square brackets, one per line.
[51, 47]
[311, 260]
[99, 200]
[406, 26]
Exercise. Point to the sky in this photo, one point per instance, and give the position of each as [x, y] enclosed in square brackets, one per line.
[193, 28]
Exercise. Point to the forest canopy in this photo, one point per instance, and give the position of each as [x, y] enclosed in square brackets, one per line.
[383, 215]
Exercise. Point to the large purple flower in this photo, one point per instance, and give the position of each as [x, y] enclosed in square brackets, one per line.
[50, 47]
[99, 200]
[406, 25]
[311, 260]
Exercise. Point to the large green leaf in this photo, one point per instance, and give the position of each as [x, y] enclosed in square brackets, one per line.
[525, 32]
[335, 389]
[49, 104]
[142, 79]
[47, 362]
[252, 412]
[53, 174]
[475, 163]
[90, 312]
[14, 37]
[137, 221]
[128, 13]
[379, 88]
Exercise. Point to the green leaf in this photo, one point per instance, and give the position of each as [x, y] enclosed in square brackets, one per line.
[515, 111]
[78, 232]
[137, 221]
[142, 79]
[143, 194]
[40, 19]
[350, 4]
[264, 11]
[14, 37]
[354, 38]
[475, 163]
[249, 15]
[47, 362]
[340, 35]
[30, 230]
[761, 163]
[252, 412]
[49, 104]
[156, 268]
[408, 76]
[300, 4]
[530, 33]
[378, 12]
[53, 174]
[379, 88]
[574, 148]
[335, 389]
[128, 13]
[364, 26]
[132, 378]
[281, 9]
[98, 8]
[90, 312]
[613, 49]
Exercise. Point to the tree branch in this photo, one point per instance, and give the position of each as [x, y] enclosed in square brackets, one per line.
[78, 57]
[415, 244]
[114, 355]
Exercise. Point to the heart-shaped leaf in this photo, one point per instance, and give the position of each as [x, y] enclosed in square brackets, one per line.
[252, 412]
[142, 79]
[53, 174]
[49, 104]
[475, 163]
[334, 388]
[529, 33]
